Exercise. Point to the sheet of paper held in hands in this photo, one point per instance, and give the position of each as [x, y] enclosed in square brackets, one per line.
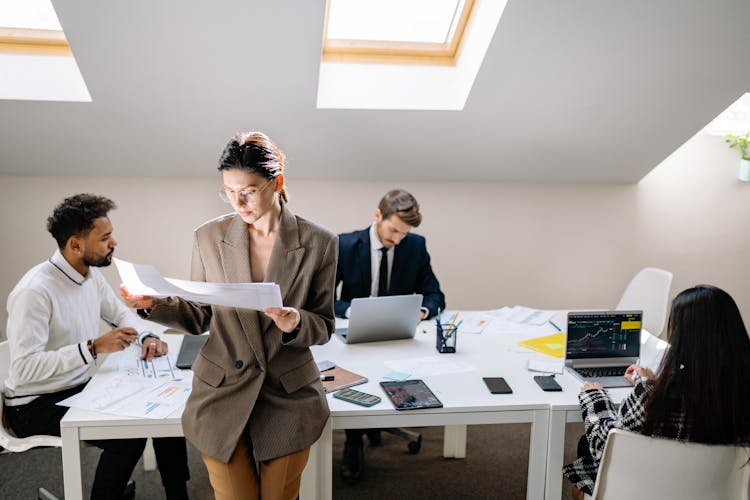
[142, 279]
[136, 389]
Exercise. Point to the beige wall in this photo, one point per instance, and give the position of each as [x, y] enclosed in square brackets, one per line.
[492, 244]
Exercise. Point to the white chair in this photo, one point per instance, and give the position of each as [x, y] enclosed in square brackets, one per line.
[638, 466]
[8, 440]
[648, 291]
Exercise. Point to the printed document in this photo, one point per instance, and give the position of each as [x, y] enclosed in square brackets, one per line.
[127, 386]
[143, 279]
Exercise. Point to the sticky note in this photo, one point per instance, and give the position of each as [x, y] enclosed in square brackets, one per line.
[398, 376]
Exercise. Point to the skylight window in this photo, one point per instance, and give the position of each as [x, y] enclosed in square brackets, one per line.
[35, 59]
[28, 14]
[411, 31]
[404, 54]
[392, 20]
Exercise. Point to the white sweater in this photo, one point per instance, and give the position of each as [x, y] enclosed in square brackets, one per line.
[52, 312]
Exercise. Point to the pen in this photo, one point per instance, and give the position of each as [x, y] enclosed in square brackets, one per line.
[453, 320]
[108, 322]
[556, 327]
[326, 378]
[169, 364]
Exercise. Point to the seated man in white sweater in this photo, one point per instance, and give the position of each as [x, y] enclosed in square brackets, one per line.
[54, 314]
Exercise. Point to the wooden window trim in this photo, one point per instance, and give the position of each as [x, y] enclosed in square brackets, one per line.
[34, 42]
[373, 51]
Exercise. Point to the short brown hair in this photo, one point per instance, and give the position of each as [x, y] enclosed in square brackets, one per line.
[401, 203]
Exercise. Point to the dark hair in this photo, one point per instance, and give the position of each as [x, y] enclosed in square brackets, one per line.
[403, 204]
[706, 369]
[75, 216]
[254, 152]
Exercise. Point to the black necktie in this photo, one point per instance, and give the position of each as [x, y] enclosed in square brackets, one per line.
[383, 273]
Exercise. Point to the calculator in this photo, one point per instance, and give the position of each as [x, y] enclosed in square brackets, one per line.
[357, 397]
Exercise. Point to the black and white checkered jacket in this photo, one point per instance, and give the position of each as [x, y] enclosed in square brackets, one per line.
[599, 416]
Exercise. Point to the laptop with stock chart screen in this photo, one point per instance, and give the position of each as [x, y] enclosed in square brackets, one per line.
[600, 345]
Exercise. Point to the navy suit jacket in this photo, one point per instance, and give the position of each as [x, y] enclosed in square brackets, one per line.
[411, 271]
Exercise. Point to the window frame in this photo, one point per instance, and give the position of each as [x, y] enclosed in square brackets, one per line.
[34, 42]
[390, 52]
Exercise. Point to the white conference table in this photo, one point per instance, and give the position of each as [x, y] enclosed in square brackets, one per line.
[79, 425]
[465, 398]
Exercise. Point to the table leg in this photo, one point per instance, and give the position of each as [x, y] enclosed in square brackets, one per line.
[454, 441]
[149, 456]
[71, 458]
[317, 478]
[538, 455]
[555, 455]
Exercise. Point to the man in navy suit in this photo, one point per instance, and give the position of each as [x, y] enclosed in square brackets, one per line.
[384, 259]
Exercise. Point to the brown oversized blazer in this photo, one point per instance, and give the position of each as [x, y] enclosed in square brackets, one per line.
[250, 374]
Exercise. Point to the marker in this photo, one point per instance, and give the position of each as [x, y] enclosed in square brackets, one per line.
[556, 327]
[326, 378]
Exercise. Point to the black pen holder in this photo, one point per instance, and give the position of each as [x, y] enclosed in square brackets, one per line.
[445, 338]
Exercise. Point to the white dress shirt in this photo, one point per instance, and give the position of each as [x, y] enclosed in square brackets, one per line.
[52, 312]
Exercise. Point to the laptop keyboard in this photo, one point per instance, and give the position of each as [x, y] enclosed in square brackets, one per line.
[602, 371]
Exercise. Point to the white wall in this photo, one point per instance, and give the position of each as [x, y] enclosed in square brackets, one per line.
[492, 244]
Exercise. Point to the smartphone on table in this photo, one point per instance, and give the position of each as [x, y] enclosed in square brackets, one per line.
[357, 397]
[497, 385]
[547, 383]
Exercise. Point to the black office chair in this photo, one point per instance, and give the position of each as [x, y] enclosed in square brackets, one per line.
[414, 439]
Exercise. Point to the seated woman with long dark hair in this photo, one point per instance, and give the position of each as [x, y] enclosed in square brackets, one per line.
[699, 394]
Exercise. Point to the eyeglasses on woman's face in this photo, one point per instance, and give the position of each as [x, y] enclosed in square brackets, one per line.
[247, 195]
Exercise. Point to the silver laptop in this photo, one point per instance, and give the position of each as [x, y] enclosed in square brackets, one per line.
[600, 345]
[373, 319]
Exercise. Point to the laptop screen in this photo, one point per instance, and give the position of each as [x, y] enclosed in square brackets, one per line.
[605, 334]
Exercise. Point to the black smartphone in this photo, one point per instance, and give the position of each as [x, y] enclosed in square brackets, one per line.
[497, 385]
[547, 383]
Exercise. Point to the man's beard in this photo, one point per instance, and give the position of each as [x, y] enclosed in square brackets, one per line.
[101, 262]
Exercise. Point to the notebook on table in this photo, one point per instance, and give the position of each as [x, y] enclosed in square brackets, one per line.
[600, 345]
[191, 346]
[341, 378]
[390, 317]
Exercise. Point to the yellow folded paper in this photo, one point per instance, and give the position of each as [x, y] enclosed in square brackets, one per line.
[551, 345]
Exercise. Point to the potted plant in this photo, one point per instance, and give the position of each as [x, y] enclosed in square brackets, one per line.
[741, 142]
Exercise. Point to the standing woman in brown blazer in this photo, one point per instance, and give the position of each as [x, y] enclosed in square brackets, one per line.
[257, 404]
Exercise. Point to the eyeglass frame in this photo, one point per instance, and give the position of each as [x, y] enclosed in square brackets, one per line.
[245, 195]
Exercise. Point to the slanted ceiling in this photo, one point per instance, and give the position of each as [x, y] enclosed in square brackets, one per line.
[574, 91]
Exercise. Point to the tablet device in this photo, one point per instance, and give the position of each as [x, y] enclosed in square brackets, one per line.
[410, 395]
